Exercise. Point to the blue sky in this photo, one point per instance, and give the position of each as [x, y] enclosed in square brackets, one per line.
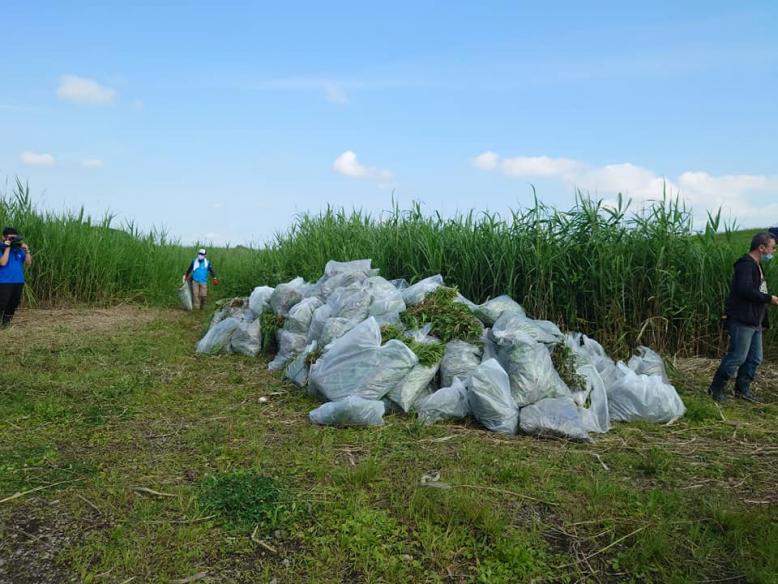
[221, 122]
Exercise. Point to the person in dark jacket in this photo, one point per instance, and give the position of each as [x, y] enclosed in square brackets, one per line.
[746, 319]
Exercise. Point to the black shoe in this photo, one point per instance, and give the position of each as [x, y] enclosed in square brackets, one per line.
[717, 397]
[747, 397]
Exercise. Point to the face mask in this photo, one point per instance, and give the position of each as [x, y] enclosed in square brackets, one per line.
[200, 256]
[766, 257]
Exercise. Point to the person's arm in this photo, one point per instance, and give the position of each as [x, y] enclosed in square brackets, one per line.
[214, 279]
[27, 255]
[6, 255]
[743, 284]
[188, 271]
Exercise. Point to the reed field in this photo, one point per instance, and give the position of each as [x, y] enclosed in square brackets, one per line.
[626, 276]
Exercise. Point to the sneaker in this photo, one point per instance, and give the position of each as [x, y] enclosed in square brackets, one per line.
[747, 397]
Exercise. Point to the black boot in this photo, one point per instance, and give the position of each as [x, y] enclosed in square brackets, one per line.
[718, 385]
[743, 388]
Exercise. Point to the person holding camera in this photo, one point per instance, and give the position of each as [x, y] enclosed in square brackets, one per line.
[15, 256]
[198, 273]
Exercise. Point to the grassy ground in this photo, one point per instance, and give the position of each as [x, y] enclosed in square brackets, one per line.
[141, 462]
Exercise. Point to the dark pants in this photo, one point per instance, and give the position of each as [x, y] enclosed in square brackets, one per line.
[10, 296]
[743, 357]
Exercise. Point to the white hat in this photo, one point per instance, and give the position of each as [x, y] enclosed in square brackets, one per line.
[201, 250]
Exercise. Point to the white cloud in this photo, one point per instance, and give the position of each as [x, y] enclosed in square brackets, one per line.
[737, 195]
[348, 165]
[539, 166]
[36, 159]
[634, 181]
[84, 91]
[485, 161]
[92, 163]
[335, 93]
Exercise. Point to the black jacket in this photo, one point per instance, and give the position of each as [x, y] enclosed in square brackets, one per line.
[746, 304]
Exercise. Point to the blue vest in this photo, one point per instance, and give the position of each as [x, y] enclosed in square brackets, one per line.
[13, 271]
[200, 272]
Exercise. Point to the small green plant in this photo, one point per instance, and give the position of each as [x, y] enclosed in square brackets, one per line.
[428, 353]
[313, 356]
[564, 363]
[242, 498]
[270, 324]
[450, 320]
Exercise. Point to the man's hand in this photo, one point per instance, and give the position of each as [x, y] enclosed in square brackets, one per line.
[26, 247]
[183, 278]
[774, 300]
[216, 283]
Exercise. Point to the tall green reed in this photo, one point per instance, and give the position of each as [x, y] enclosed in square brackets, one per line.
[77, 259]
[624, 275]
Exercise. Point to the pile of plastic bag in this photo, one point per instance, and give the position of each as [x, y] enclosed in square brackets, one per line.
[330, 344]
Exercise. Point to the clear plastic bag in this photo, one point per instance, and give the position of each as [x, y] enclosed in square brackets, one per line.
[530, 370]
[334, 267]
[217, 339]
[386, 300]
[356, 364]
[459, 359]
[571, 417]
[350, 411]
[408, 391]
[557, 416]
[489, 396]
[297, 370]
[351, 302]
[490, 347]
[510, 326]
[289, 346]
[648, 362]
[185, 296]
[328, 285]
[643, 397]
[318, 320]
[334, 328]
[415, 293]
[462, 300]
[300, 315]
[588, 351]
[448, 403]
[259, 300]
[247, 338]
[491, 310]
[287, 295]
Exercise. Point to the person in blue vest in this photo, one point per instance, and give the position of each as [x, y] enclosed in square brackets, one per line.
[15, 256]
[198, 273]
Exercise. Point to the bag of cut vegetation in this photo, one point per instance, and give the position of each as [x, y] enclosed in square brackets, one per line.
[185, 296]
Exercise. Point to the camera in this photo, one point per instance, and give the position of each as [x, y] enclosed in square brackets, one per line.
[16, 242]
